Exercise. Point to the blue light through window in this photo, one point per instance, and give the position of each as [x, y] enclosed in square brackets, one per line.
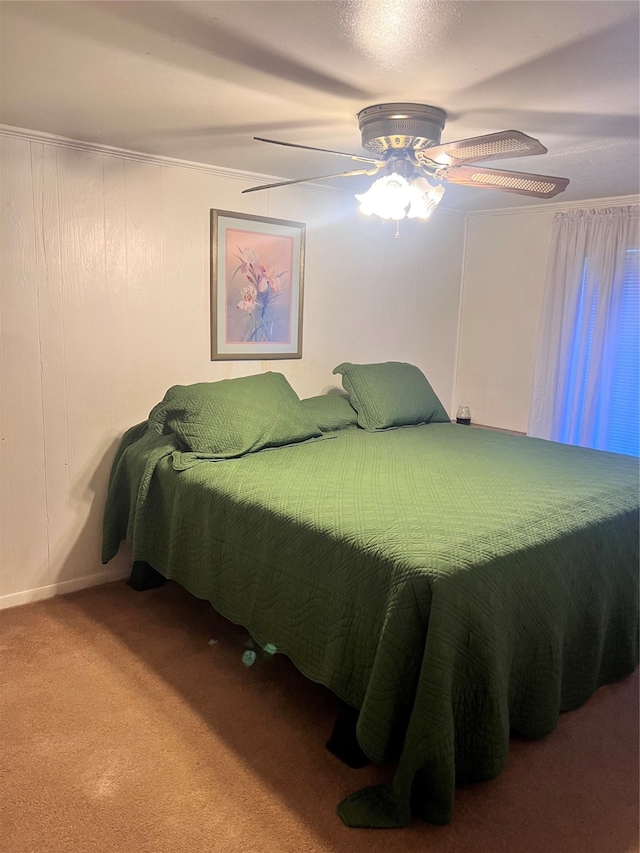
[617, 417]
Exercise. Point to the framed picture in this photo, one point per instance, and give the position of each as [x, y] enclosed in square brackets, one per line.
[257, 272]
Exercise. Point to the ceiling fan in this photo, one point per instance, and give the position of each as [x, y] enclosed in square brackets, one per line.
[406, 138]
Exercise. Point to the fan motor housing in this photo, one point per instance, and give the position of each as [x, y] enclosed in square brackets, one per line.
[392, 126]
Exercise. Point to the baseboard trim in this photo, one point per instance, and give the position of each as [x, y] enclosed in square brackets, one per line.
[30, 595]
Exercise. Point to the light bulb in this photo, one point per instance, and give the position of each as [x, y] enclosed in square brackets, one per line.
[393, 197]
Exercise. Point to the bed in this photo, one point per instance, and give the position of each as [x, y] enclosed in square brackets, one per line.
[451, 584]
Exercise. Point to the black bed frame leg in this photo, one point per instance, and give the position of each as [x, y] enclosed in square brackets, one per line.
[343, 742]
[143, 576]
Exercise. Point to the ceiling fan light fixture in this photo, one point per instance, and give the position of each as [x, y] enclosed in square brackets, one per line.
[387, 197]
[394, 197]
[425, 197]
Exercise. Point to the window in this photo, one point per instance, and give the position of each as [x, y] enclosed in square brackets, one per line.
[616, 418]
[624, 422]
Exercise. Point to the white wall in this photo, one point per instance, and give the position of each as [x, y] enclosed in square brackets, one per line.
[503, 284]
[105, 304]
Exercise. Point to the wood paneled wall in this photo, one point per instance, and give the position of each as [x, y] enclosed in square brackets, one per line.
[105, 304]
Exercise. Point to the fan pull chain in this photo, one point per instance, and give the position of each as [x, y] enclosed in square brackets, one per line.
[397, 228]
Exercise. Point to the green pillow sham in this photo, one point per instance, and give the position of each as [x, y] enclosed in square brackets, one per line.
[233, 417]
[390, 394]
[331, 412]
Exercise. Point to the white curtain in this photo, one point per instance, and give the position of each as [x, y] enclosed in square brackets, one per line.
[576, 360]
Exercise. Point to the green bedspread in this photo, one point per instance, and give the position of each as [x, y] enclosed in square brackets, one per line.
[451, 583]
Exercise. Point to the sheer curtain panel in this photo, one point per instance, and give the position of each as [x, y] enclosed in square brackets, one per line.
[585, 388]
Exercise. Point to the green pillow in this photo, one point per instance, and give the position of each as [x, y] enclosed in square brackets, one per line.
[390, 394]
[331, 412]
[230, 418]
[157, 420]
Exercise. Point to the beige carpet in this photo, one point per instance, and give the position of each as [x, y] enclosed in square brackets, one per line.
[125, 730]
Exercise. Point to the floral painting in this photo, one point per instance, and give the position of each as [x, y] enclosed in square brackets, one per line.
[256, 273]
[258, 278]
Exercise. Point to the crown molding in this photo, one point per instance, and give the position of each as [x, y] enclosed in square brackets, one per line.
[139, 156]
[544, 207]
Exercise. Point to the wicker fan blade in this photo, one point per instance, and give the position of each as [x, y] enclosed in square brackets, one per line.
[492, 146]
[317, 178]
[522, 183]
[313, 148]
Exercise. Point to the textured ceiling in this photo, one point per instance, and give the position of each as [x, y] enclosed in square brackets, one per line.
[197, 80]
